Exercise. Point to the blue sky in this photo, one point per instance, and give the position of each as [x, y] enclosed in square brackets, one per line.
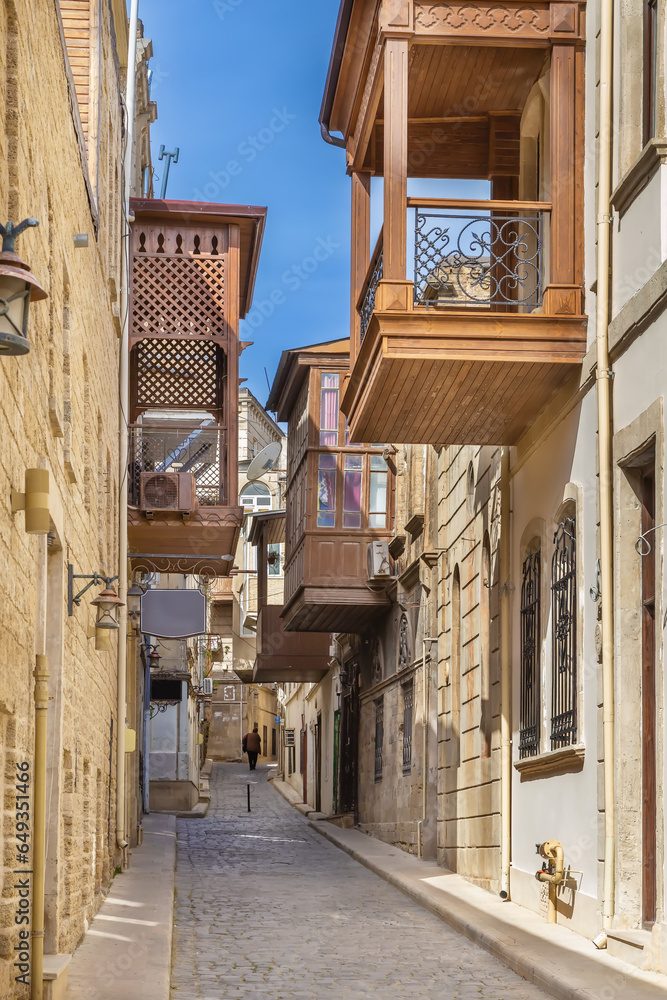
[240, 82]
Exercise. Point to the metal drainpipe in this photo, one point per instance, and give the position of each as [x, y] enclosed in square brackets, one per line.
[41, 675]
[605, 457]
[505, 680]
[124, 389]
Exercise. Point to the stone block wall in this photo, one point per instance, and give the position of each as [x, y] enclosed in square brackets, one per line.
[469, 667]
[59, 410]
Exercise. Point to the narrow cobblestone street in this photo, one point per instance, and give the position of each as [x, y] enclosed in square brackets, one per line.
[251, 887]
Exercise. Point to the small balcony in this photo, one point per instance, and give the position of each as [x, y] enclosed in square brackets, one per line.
[477, 322]
[288, 656]
[179, 516]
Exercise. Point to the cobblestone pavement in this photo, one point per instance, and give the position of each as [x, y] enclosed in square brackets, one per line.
[265, 907]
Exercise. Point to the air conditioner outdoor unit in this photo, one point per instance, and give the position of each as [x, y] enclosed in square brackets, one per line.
[208, 685]
[172, 491]
[378, 561]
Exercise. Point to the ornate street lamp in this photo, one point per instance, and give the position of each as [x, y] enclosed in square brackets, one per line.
[108, 605]
[18, 288]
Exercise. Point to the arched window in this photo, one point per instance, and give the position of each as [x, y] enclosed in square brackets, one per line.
[564, 634]
[256, 496]
[531, 615]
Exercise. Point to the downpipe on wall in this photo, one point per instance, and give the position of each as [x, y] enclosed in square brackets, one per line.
[41, 676]
[124, 391]
[505, 680]
[605, 459]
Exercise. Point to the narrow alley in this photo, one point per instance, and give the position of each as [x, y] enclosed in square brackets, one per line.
[265, 907]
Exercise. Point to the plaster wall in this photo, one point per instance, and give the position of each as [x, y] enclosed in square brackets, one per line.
[639, 241]
[562, 806]
[304, 703]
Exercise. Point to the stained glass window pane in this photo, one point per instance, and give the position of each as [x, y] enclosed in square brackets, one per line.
[326, 492]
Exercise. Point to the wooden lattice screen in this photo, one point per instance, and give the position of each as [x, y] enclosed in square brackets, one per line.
[178, 296]
[178, 373]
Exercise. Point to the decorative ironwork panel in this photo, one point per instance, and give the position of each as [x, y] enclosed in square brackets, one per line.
[178, 296]
[379, 737]
[404, 644]
[368, 302]
[529, 740]
[485, 260]
[198, 449]
[185, 374]
[408, 690]
[564, 636]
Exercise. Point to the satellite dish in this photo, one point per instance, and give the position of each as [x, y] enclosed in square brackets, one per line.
[264, 462]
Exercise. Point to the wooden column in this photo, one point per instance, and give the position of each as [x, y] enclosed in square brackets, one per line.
[232, 296]
[393, 293]
[563, 294]
[361, 250]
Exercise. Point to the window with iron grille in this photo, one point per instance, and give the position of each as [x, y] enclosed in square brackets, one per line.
[564, 636]
[379, 737]
[529, 738]
[407, 727]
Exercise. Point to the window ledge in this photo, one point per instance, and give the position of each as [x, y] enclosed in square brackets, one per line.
[637, 177]
[554, 762]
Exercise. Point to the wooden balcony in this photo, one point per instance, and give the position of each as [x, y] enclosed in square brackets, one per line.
[288, 656]
[192, 278]
[452, 340]
[475, 344]
[179, 516]
[340, 497]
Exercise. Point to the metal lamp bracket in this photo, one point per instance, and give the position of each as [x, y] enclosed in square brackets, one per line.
[95, 579]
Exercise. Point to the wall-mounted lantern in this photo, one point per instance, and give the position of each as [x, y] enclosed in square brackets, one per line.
[134, 595]
[107, 603]
[18, 288]
[151, 655]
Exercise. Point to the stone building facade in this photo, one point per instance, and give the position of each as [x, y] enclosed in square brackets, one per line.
[546, 688]
[61, 164]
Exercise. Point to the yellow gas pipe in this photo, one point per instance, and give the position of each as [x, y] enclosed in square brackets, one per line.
[552, 852]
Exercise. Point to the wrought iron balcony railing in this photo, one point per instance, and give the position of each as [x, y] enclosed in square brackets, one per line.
[467, 254]
[366, 303]
[196, 447]
[478, 253]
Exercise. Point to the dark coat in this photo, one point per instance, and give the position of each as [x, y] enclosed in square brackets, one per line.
[252, 742]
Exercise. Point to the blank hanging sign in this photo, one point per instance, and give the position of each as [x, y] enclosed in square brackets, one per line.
[173, 614]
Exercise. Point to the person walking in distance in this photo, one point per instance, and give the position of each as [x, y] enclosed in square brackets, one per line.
[252, 744]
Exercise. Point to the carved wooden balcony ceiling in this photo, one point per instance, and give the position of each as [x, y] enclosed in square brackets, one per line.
[453, 94]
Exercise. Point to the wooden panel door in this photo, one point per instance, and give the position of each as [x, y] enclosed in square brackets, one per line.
[649, 812]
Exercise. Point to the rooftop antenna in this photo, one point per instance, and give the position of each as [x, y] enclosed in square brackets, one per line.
[164, 154]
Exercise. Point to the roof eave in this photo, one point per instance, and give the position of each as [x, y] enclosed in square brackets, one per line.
[333, 74]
